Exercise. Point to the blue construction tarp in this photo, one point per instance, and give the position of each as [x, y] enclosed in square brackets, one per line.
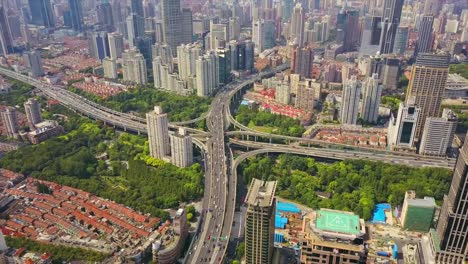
[287, 207]
[280, 222]
[279, 238]
[378, 215]
[245, 102]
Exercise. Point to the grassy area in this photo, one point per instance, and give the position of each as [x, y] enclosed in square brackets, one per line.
[263, 129]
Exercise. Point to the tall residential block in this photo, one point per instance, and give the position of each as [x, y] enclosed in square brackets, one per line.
[33, 62]
[181, 149]
[10, 122]
[260, 222]
[305, 94]
[427, 85]
[158, 133]
[207, 80]
[283, 93]
[402, 128]
[372, 92]
[438, 134]
[350, 101]
[302, 61]
[451, 243]
[33, 112]
[116, 45]
[110, 68]
[134, 67]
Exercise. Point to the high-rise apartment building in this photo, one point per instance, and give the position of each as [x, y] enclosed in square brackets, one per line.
[305, 94]
[110, 68]
[451, 243]
[187, 55]
[260, 222]
[427, 85]
[76, 14]
[424, 42]
[402, 128]
[283, 93]
[372, 91]
[438, 134]
[33, 61]
[98, 45]
[350, 101]
[33, 112]
[218, 35]
[390, 22]
[302, 61]
[134, 67]
[158, 133]
[116, 45]
[41, 13]
[6, 39]
[348, 29]
[296, 31]
[207, 74]
[10, 122]
[181, 149]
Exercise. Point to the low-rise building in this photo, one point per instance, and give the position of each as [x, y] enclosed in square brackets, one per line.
[44, 130]
[417, 214]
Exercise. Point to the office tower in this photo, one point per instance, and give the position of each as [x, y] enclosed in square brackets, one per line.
[348, 22]
[135, 28]
[257, 35]
[117, 17]
[10, 121]
[41, 13]
[144, 45]
[401, 40]
[296, 31]
[134, 67]
[234, 28]
[33, 112]
[224, 65]
[371, 32]
[350, 101]
[427, 85]
[303, 61]
[283, 93]
[402, 129]
[431, 7]
[110, 68]
[263, 34]
[76, 14]
[158, 133]
[372, 91]
[136, 7]
[390, 22]
[207, 74]
[116, 45]
[305, 94]
[181, 149]
[260, 221]
[438, 134]
[424, 42]
[98, 45]
[173, 19]
[148, 9]
[219, 34]
[452, 228]
[104, 16]
[15, 25]
[33, 61]
[187, 55]
[6, 40]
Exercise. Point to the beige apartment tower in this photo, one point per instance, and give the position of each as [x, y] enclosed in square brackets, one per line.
[260, 222]
[158, 133]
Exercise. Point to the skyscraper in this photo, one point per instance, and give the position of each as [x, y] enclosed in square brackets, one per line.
[303, 61]
[401, 40]
[98, 45]
[144, 45]
[402, 129]
[372, 91]
[110, 68]
[427, 85]
[350, 101]
[33, 112]
[116, 45]
[224, 65]
[104, 16]
[34, 63]
[136, 7]
[134, 67]
[6, 40]
[173, 19]
[438, 134]
[76, 14]
[283, 93]
[187, 55]
[135, 28]
[10, 121]
[181, 149]
[297, 24]
[260, 222]
[207, 74]
[390, 22]
[41, 13]
[187, 26]
[424, 43]
[305, 96]
[351, 34]
[452, 228]
[158, 133]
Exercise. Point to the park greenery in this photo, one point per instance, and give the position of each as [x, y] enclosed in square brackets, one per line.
[59, 253]
[268, 122]
[392, 102]
[20, 92]
[128, 176]
[355, 185]
[461, 69]
[462, 114]
[143, 99]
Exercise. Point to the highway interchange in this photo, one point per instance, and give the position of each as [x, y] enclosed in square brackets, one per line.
[220, 181]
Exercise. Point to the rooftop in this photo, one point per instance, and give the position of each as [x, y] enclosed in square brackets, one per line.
[261, 193]
[337, 221]
[426, 202]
